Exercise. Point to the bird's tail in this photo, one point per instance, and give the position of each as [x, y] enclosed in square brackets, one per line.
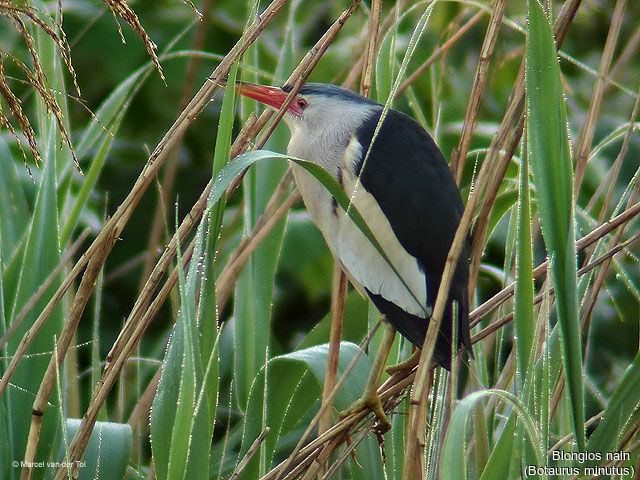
[442, 352]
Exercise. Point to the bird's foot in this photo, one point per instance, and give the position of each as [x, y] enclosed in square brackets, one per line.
[370, 401]
[407, 365]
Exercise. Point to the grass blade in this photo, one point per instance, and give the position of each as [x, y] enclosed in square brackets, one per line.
[102, 130]
[184, 381]
[549, 154]
[14, 212]
[523, 294]
[453, 460]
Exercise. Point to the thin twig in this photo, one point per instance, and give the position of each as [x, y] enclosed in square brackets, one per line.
[440, 50]
[170, 168]
[339, 290]
[250, 453]
[458, 158]
[596, 234]
[504, 144]
[371, 48]
[589, 128]
[269, 218]
[602, 274]
[353, 416]
[391, 392]
[493, 327]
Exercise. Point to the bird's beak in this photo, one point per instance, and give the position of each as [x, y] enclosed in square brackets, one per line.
[272, 96]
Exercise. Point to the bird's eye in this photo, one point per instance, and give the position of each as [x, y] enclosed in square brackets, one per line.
[302, 103]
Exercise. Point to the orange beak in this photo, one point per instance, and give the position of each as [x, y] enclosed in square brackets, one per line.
[272, 96]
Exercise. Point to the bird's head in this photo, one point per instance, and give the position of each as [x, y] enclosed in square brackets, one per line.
[318, 107]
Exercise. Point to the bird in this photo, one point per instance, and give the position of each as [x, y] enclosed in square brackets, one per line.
[399, 181]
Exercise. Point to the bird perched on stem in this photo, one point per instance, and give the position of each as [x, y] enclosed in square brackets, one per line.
[399, 181]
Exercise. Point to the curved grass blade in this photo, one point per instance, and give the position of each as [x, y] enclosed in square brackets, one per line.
[241, 162]
[453, 463]
[291, 397]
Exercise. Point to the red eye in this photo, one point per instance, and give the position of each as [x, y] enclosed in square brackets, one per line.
[302, 103]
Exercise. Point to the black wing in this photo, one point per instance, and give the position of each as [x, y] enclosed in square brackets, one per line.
[410, 179]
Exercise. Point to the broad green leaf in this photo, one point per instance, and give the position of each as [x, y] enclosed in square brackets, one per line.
[108, 453]
[481, 448]
[501, 455]
[503, 462]
[549, 156]
[180, 452]
[255, 287]
[207, 319]
[180, 420]
[291, 396]
[323, 177]
[107, 117]
[39, 255]
[207, 312]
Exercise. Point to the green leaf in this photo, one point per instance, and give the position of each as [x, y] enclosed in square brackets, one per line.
[501, 455]
[386, 63]
[291, 396]
[453, 464]
[180, 451]
[549, 154]
[106, 120]
[207, 312]
[181, 421]
[186, 400]
[108, 452]
[255, 287]
[523, 294]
